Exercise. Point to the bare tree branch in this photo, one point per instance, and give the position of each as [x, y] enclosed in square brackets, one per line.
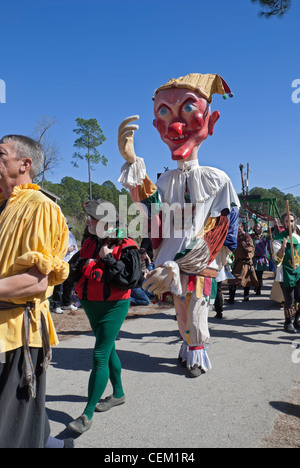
[50, 148]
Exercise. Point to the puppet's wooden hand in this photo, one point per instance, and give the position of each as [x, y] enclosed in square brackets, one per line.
[158, 280]
[125, 138]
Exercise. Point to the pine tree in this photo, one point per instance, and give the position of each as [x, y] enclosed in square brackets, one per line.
[91, 136]
[273, 7]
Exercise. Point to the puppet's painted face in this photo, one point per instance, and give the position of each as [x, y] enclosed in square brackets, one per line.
[183, 120]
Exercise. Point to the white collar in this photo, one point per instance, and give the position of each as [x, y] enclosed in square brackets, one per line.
[187, 165]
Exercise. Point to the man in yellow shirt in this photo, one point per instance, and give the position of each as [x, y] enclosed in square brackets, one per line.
[33, 242]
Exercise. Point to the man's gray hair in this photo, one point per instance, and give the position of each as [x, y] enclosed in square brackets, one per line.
[27, 148]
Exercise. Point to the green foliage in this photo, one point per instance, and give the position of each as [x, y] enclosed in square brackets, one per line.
[90, 137]
[294, 202]
[273, 7]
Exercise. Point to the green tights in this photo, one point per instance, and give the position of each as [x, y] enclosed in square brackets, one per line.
[106, 318]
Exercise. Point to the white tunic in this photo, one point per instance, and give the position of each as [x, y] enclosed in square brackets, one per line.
[210, 191]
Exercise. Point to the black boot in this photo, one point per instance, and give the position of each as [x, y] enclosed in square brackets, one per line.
[258, 288]
[246, 294]
[289, 313]
[219, 314]
[232, 289]
[297, 321]
[289, 326]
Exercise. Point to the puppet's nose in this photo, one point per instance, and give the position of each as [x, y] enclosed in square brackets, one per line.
[175, 129]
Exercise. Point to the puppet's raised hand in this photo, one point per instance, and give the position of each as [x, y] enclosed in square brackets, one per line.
[159, 280]
[125, 138]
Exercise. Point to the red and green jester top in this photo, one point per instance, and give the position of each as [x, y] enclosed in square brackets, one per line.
[110, 278]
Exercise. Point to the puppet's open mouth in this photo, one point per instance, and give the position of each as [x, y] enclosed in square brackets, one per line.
[179, 139]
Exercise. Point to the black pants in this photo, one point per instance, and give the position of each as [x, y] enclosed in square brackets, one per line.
[232, 291]
[291, 295]
[259, 275]
[219, 298]
[62, 293]
[23, 419]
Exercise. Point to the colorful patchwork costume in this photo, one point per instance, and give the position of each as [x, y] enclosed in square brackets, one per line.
[191, 239]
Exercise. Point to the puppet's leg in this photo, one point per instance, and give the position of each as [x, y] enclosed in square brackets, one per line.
[181, 308]
[198, 333]
[192, 317]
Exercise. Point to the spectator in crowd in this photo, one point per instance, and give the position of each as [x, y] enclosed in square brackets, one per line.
[147, 245]
[288, 274]
[261, 255]
[243, 269]
[110, 269]
[34, 240]
[62, 293]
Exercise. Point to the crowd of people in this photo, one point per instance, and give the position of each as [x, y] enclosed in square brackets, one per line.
[258, 252]
[244, 269]
[41, 261]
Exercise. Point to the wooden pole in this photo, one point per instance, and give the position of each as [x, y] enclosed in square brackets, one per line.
[272, 247]
[242, 176]
[247, 188]
[290, 234]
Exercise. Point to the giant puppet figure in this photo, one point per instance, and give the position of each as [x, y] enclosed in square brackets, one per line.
[188, 255]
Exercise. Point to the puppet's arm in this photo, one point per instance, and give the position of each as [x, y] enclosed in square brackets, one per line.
[133, 173]
[125, 139]
[142, 189]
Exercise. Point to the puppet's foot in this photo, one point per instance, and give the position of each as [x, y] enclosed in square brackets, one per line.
[195, 372]
[197, 357]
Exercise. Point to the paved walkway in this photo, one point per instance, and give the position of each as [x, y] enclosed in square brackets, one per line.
[234, 405]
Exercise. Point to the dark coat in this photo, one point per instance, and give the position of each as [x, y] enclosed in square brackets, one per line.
[243, 269]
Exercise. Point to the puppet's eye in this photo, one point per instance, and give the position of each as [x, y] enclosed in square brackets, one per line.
[163, 111]
[189, 108]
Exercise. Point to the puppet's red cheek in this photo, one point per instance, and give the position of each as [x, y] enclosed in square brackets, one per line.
[196, 122]
[161, 126]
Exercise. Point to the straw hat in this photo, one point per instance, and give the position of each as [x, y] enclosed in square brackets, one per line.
[204, 85]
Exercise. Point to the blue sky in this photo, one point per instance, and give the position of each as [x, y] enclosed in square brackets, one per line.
[103, 59]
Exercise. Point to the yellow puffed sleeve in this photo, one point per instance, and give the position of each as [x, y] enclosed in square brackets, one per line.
[45, 243]
[33, 231]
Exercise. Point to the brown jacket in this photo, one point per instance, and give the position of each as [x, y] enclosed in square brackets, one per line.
[243, 269]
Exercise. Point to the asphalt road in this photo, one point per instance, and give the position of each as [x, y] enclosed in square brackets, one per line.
[256, 365]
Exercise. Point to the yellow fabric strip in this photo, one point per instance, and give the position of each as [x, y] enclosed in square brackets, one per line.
[147, 189]
[199, 286]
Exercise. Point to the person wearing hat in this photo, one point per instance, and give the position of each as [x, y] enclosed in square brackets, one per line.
[190, 253]
[288, 271]
[110, 267]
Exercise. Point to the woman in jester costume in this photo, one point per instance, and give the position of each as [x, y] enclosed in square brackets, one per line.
[203, 225]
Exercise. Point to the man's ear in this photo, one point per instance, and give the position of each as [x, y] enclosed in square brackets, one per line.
[212, 121]
[26, 165]
[154, 123]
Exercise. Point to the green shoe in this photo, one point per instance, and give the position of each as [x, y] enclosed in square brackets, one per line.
[81, 424]
[109, 402]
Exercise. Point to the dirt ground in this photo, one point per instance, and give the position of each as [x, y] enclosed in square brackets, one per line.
[286, 431]
[75, 323]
